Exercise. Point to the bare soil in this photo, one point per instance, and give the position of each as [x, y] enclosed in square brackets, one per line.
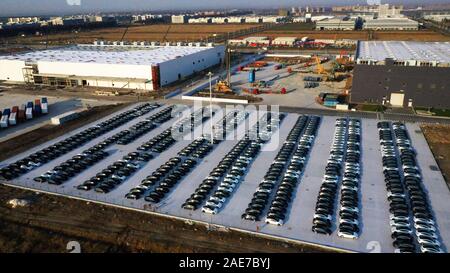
[421, 35]
[160, 32]
[438, 139]
[50, 222]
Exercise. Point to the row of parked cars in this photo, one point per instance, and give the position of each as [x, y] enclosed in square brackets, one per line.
[198, 148]
[157, 185]
[399, 210]
[186, 125]
[164, 140]
[136, 131]
[71, 167]
[423, 220]
[114, 174]
[325, 204]
[261, 197]
[283, 195]
[230, 121]
[349, 203]
[235, 164]
[47, 154]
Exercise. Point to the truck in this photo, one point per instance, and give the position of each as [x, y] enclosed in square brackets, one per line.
[5, 117]
[12, 118]
[37, 109]
[29, 113]
[44, 107]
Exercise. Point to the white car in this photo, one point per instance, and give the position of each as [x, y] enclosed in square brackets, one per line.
[48, 174]
[238, 168]
[272, 221]
[34, 164]
[322, 216]
[348, 221]
[425, 249]
[26, 167]
[348, 234]
[218, 199]
[222, 188]
[423, 221]
[263, 190]
[121, 178]
[401, 230]
[213, 203]
[210, 210]
[398, 223]
[400, 218]
[428, 241]
[425, 226]
[390, 194]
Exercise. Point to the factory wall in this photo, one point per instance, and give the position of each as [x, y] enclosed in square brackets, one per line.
[180, 68]
[96, 69]
[425, 86]
[11, 70]
[120, 84]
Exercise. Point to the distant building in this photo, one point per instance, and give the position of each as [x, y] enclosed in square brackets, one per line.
[402, 73]
[283, 12]
[391, 24]
[179, 19]
[336, 24]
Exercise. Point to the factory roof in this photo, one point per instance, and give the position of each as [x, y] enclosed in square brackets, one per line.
[404, 51]
[391, 21]
[129, 55]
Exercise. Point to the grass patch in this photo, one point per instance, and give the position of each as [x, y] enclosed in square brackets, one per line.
[435, 111]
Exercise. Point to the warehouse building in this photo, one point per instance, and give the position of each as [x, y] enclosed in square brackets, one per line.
[336, 24]
[125, 66]
[391, 24]
[179, 19]
[403, 74]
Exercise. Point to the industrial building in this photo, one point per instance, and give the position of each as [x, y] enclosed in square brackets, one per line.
[391, 24]
[139, 67]
[403, 74]
[336, 24]
[179, 19]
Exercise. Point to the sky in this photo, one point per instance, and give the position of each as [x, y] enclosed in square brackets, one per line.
[59, 7]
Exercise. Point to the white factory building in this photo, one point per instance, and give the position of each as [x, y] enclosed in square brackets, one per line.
[113, 66]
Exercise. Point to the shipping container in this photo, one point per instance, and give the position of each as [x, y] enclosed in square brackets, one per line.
[44, 100]
[44, 108]
[4, 121]
[29, 113]
[12, 118]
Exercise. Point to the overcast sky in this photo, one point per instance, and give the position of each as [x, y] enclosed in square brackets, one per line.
[50, 7]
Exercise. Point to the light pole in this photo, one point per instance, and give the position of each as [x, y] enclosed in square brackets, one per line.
[210, 106]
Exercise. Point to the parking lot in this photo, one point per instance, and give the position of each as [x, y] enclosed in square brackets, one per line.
[375, 232]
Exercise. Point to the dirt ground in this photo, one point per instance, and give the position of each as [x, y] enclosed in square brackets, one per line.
[439, 141]
[45, 133]
[141, 33]
[422, 35]
[50, 222]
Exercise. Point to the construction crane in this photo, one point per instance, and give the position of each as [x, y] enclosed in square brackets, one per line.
[320, 69]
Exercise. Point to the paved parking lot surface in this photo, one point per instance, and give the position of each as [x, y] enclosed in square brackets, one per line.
[375, 231]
